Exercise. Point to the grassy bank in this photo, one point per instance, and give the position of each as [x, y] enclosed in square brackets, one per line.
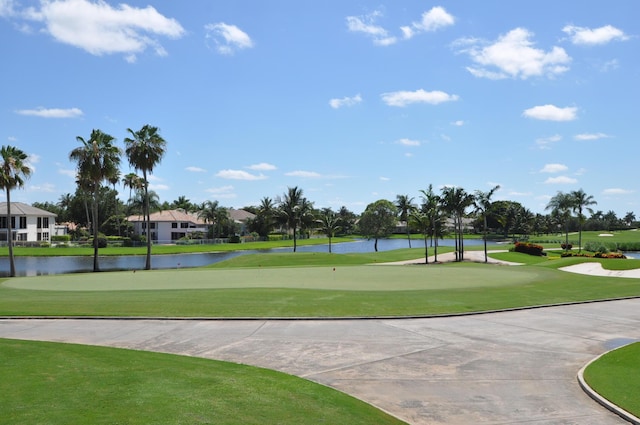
[48, 383]
[616, 377]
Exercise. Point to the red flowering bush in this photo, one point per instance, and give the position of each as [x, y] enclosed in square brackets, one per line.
[529, 248]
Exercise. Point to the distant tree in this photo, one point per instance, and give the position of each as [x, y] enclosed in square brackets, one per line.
[291, 206]
[347, 219]
[264, 220]
[378, 220]
[629, 218]
[420, 219]
[329, 224]
[455, 201]
[182, 203]
[145, 149]
[561, 205]
[482, 203]
[404, 204]
[97, 160]
[13, 171]
[432, 207]
[581, 202]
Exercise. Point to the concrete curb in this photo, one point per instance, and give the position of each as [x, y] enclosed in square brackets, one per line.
[601, 400]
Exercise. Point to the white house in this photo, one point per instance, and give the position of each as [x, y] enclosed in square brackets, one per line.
[28, 224]
[168, 225]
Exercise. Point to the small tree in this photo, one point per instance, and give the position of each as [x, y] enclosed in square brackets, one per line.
[405, 208]
[378, 220]
[329, 224]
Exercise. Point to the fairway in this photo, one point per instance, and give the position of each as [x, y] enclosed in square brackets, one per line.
[349, 278]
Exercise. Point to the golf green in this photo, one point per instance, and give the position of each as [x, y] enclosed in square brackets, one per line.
[346, 278]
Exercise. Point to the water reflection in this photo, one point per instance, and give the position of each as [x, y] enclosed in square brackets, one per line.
[37, 266]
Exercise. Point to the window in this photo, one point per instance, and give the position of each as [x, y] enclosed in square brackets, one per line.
[174, 225]
[23, 222]
[184, 225]
[45, 222]
[45, 236]
[22, 236]
[39, 223]
[3, 222]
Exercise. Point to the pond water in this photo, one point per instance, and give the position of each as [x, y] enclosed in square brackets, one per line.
[37, 266]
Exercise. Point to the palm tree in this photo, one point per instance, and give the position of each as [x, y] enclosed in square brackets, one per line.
[421, 220]
[209, 213]
[145, 148]
[561, 206]
[482, 203]
[405, 208]
[581, 202]
[329, 224]
[290, 207]
[455, 201]
[182, 203]
[13, 171]
[98, 159]
[431, 206]
[115, 179]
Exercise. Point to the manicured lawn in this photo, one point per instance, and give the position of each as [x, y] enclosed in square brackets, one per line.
[49, 383]
[323, 290]
[616, 377]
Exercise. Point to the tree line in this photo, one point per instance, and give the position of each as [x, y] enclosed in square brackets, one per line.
[95, 205]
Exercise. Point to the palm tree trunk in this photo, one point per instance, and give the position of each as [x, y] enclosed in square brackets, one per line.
[294, 238]
[426, 249]
[12, 264]
[408, 234]
[147, 265]
[486, 259]
[94, 213]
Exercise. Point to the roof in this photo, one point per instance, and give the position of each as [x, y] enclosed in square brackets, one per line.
[19, 208]
[169, 216]
[240, 215]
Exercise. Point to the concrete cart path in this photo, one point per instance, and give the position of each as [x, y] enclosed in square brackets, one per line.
[515, 367]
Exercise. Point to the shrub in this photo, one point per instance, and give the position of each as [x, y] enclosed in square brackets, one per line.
[60, 238]
[529, 248]
[609, 255]
[566, 246]
[235, 239]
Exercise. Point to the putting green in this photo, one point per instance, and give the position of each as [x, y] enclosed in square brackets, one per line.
[349, 278]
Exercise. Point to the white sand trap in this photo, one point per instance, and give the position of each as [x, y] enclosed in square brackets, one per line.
[605, 234]
[595, 269]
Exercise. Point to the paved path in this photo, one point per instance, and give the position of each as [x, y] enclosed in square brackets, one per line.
[500, 368]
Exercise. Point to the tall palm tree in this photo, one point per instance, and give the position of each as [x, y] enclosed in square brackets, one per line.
[456, 200]
[290, 209]
[13, 171]
[420, 219]
[482, 203]
[115, 179]
[145, 149]
[405, 206]
[329, 224]
[431, 204]
[97, 160]
[581, 202]
[561, 205]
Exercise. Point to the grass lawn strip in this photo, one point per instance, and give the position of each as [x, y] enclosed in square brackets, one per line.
[55, 383]
[616, 377]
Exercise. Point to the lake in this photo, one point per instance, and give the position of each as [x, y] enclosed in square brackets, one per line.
[37, 266]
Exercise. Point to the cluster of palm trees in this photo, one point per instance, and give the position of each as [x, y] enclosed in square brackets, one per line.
[562, 205]
[98, 162]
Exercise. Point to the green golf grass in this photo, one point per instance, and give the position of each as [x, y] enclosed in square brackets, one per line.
[616, 377]
[51, 383]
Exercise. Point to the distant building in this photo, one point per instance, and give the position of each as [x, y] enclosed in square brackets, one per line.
[240, 217]
[169, 225]
[28, 224]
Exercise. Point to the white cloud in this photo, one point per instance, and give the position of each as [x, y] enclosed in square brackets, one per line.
[196, 169]
[52, 112]
[239, 175]
[545, 142]
[304, 174]
[67, 172]
[7, 8]
[45, 187]
[458, 123]
[554, 168]
[617, 191]
[595, 36]
[551, 113]
[223, 192]
[384, 179]
[404, 98]
[263, 166]
[408, 142]
[513, 55]
[366, 25]
[345, 101]
[158, 187]
[227, 38]
[561, 180]
[433, 20]
[590, 136]
[99, 28]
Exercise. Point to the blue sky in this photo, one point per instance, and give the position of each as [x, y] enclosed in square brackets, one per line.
[352, 101]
